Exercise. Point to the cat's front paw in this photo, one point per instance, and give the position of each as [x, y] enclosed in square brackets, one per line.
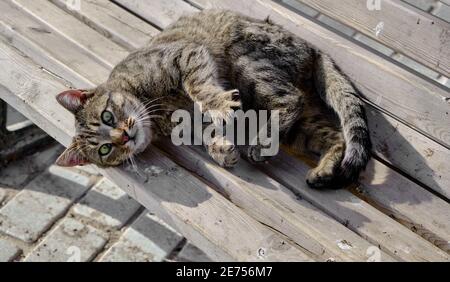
[221, 109]
[223, 152]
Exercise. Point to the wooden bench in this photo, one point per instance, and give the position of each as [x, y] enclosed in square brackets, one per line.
[264, 212]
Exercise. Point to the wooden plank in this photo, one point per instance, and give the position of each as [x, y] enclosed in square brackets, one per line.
[411, 152]
[409, 98]
[378, 217]
[405, 29]
[364, 219]
[101, 49]
[243, 184]
[408, 203]
[274, 205]
[159, 13]
[112, 21]
[222, 230]
[24, 32]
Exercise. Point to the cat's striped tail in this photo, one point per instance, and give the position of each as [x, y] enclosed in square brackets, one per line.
[339, 94]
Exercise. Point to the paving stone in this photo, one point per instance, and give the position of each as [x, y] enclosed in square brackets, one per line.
[91, 169]
[74, 175]
[148, 239]
[301, 7]
[8, 251]
[71, 241]
[16, 174]
[107, 204]
[416, 66]
[443, 12]
[191, 253]
[336, 25]
[33, 210]
[374, 44]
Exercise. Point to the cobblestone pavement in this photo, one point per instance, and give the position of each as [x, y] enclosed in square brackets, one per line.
[49, 213]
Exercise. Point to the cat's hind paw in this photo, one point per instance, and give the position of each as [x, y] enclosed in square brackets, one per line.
[320, 178]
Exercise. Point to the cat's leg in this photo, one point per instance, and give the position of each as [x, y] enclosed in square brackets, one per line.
[202, 82]
[268, 88]
[320, 136]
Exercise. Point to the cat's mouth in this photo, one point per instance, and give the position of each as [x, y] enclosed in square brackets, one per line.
[133, 138]
[139, 140]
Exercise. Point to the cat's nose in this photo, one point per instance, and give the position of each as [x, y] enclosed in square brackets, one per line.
[119, 136]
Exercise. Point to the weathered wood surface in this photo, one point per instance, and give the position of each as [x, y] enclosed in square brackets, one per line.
[204, 216]
[112, 21]
[31, 35]
[243, 184]
[103, 50]
[388, 192]
[385, 85]
[375, 238]
[159, 13]
[409, 151]
[274, 205]
[403, 28]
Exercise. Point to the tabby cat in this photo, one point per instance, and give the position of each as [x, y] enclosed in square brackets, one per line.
[224, 61]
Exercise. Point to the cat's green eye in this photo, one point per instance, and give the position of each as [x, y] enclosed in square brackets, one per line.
[105, 149]
[108, 118]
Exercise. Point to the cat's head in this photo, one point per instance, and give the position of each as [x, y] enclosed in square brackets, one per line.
[111, 127]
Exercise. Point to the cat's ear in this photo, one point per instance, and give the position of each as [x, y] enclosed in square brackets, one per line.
[73, 100]
[71, 157]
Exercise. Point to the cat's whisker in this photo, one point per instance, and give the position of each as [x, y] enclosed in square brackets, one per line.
[167, 110]
[148, 118]
[147, 106]
[134, 165]
[154, 107]
[154, 100]
[143, 111]
[145, 115]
